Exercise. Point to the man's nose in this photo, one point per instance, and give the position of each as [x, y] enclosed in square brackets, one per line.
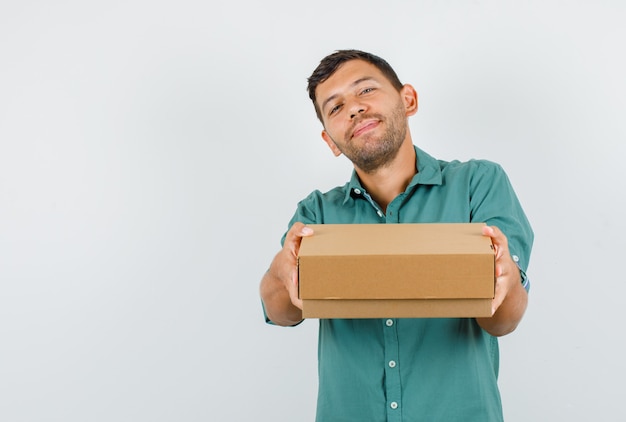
[356, 108]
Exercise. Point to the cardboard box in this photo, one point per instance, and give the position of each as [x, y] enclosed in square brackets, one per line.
[396, 271]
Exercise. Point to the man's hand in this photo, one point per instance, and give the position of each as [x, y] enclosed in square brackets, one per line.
[279, 287]
[287, 270]
[510, 298]
[507, 273]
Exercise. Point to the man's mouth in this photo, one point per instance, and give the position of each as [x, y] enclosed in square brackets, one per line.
[364, 126]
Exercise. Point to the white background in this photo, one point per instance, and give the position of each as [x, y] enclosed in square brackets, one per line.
[152, 153]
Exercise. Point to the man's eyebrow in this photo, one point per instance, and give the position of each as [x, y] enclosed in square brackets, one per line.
[355, 83]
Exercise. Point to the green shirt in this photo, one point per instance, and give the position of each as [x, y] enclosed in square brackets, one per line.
[416, 369]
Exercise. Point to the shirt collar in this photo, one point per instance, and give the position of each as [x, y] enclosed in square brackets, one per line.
[428, 173]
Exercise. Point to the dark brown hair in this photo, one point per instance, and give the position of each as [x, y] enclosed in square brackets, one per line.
[329, 65]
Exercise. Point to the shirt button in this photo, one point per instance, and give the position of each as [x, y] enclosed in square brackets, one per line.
[357, 191]
[392, 363]
[515, 258]
[389, 322]
[393, 405]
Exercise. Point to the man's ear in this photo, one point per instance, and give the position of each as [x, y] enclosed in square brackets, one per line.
[409, 97]
[331, 144]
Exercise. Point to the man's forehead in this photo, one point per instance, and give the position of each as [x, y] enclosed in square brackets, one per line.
[347, 75]
[352, 72]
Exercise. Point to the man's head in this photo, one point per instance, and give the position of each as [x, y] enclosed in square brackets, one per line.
[364, 111]
[329, 65]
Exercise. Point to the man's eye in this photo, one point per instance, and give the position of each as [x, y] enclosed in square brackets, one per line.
[334, 109]
[367, 90]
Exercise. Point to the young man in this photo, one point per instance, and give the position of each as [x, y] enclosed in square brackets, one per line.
[432, 369]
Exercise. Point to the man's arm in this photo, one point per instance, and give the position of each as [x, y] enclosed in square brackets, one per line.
[279, 286]
[510, 299]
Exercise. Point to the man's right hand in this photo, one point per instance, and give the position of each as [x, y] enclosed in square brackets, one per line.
[288, 267]
[279, 287]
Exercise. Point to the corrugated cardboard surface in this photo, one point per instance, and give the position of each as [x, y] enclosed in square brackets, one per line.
[396, 270]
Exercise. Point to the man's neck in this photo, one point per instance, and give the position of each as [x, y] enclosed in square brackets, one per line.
[387, 182]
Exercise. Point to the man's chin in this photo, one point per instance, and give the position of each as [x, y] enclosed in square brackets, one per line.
[371, 165]
[374, 162]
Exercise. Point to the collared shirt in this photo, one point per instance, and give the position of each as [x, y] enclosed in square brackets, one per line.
[430, 369]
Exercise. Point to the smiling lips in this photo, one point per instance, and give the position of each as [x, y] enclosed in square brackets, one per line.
[364, 126]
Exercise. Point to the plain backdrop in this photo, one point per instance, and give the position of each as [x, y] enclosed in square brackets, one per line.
[152, 153]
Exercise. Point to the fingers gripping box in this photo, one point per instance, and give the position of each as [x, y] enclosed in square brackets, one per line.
[396, 271]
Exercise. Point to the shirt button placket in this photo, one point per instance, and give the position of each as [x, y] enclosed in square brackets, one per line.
[393, 388]
[392, 214]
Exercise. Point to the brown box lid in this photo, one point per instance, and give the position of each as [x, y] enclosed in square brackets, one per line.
[396, 261]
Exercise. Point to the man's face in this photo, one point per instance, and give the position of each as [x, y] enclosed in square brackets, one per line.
[364, 116]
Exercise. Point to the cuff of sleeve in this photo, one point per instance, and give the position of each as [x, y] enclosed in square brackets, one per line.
[525, 279]
[522, 273]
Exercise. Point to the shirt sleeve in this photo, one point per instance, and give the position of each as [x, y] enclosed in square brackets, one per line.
[308, 211]
[494, 202]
